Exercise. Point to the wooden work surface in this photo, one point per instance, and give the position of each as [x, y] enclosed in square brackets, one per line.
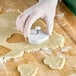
[65, 26]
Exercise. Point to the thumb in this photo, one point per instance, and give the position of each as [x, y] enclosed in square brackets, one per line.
[49, 24]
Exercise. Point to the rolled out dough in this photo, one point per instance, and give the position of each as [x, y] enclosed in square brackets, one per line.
[7, 28]
[27, 70]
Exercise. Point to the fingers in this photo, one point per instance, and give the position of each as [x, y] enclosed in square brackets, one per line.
[49, 24]
[21, 20]
[25, 21]
[18, 23]
[33, 17]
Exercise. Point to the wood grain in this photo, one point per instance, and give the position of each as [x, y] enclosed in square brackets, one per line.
[65, 26]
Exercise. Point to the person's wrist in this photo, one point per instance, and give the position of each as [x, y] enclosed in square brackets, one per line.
[49, 0]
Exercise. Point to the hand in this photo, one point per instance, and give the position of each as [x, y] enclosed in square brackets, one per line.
[44, 9]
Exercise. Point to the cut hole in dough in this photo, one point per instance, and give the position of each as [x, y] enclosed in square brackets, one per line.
[4, 50]
[16, 38]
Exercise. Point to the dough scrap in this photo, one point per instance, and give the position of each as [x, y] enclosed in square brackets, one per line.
[54, 62]
[27, 70]
[7, 28]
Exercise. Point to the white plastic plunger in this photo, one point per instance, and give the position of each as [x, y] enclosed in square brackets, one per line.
[37, 36]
